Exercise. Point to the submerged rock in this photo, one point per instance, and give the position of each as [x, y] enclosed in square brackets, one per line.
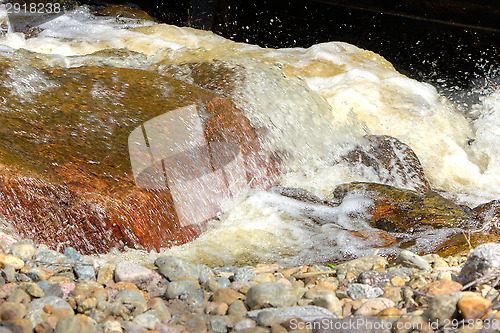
[86, 159]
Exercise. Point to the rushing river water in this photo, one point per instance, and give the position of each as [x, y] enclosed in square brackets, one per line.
[317, 104]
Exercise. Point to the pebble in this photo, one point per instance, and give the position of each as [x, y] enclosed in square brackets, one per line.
[174, 268]
[84, 272]
[363, 291]
[130, 272]
[226, 295]
[72, 253]
[23, 250]
[442, 308]
[330, 302]
[412, 260]
[483, 261]
[181, 288]
[273, 293]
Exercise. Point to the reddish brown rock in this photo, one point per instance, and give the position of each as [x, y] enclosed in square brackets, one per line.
[396, 209]
[67, 158]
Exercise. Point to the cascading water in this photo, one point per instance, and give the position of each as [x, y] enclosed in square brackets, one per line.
[309, 107]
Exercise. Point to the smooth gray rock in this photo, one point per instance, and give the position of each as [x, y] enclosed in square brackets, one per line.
[130, 272]
[359, 291]
[360, 265]
[442, 308]
[306, 313]
[483, 261]
[178, 288]
[35, 309]
[205, 274]
[147, 320]
[72, 253]
[84, 272]
[274, 293]
[224, 282]
[330, 302]
[219, 324]
[412, 260]
[174, 268]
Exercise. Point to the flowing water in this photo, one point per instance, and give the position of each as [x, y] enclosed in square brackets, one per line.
[316, 104]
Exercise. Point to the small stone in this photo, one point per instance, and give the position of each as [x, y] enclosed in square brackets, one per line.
[263, 277]
[268, 318]
[212, 285]
[375, 278]
[105, 274]
[173, 268]
[412, 324]
[359, 291]
[147, 320]
[32, 289]
[442, 308]
[412, 260]
[193, 323]
[224, 282]
[182, 287]
[35, 309]
[440, 287]
[473, 307]
[40, 273]
[330, 302]
[272, 293]
[132, 298]
[319, 290]
[373, 306]
[22, 249]
[243, 275]
[395, 294]
[307, 313]
[112, 326]
[159, 307]
[398, 281]
[9, 273]
[205, 274]
[389, 313]
[483, 261]
[131, 327]
[226, 295]
[72, 253]
[244, 324]
[129, 272]
[220, 309]
[10, 260]
[19, 296]
[360, 265]
[219, 324]
[237, 308]
[18, 308]
[84, 272]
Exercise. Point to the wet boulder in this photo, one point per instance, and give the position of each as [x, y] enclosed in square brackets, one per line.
[391, 160]
[98, 157]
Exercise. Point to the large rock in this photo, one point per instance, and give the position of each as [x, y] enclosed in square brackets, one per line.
[391, 160]
[100, 157]
[397, 209]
